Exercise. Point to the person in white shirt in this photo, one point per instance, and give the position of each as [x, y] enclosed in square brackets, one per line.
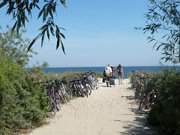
[108, 72]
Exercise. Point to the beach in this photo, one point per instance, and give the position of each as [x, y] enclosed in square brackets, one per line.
[108, 111]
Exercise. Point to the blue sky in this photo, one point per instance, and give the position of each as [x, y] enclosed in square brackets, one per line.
[97, 32]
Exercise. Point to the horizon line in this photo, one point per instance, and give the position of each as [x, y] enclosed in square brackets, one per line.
[113, 65]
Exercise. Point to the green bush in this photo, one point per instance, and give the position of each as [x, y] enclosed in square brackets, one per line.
[22, 104]
[166, 112]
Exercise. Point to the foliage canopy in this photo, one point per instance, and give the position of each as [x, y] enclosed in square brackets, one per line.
[163, 24]
[22, 10]
[15, 46]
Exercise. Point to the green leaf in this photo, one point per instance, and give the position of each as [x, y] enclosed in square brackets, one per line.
[48, 35]
[2, 4]
[62, 35]
[52, 30]
[14, 26]
[58, 42]
[42, 39]
[62, 45]
[63, 2]
[32, 42]
[41, 12]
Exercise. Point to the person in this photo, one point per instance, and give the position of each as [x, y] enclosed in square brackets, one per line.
[108, 74]
[104, 76]
[113, 72]
[120, 73]
[112, 79]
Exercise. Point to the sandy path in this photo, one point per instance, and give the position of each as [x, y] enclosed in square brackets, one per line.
[108, 111]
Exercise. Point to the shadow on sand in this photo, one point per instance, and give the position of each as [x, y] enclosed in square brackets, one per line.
[139, 126]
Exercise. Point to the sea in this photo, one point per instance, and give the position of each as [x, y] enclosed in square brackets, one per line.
[127, 69]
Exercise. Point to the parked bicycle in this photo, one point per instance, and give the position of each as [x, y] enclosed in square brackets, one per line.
[144, 92]
[58, 92]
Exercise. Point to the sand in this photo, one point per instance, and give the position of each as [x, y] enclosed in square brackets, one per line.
[108, 111]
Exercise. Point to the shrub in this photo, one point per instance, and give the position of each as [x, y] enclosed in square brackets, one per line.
[166, 112]
[22, 104]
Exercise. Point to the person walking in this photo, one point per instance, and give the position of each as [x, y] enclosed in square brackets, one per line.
[108, 72]
[112, 79]
[120, 73]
